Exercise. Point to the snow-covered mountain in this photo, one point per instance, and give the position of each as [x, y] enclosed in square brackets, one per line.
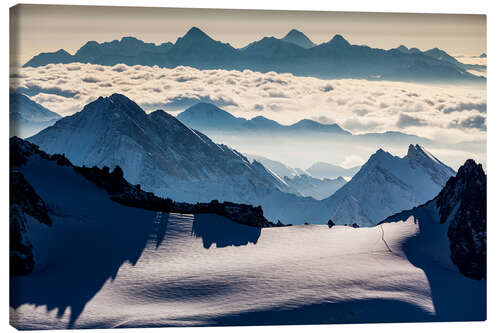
[101, 264]
[300, 181]
[387, 184]
[28, 117]
[298, 38]
[457, 216]
[278, 168]
[164, 156]
[158, 152]
[319, 189]
[327, 170]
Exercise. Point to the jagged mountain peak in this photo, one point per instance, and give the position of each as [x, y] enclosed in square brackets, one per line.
[418, 154]
[195, 33]
[471, 168]
[298, 38]
[339, 41]
[417, 151]
[380, 154]
[388, 183]
[112, 106]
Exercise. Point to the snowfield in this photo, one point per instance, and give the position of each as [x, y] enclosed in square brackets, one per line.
[103, 265]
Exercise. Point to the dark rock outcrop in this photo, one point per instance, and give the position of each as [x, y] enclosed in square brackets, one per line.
[463, 202]
[23, 201]
[123, 192]
[461, 207]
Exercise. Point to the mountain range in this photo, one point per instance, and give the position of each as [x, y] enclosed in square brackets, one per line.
[294, 53]
[441, 55]
[164, 156]
[88, 249]
[214, 121]
[319, 186]
[207, 117]
[157, 151]
[28, 117]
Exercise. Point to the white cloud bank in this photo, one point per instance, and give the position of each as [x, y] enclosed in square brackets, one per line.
[447, 113]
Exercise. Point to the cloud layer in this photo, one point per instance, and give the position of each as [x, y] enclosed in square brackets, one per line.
[450, 113]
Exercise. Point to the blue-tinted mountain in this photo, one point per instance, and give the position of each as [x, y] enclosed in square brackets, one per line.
[327, 170]
[199, 50]
[208, 117]
[272, 48]
[59, 57]
[164, 156]
[437, 54]
[336, 58]
[27, 117]
[298, 38]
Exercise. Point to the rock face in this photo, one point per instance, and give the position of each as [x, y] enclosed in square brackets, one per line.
[24, 201]
[463, 201]
[461, 208]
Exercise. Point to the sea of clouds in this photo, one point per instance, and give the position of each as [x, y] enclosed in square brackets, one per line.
[448, 113]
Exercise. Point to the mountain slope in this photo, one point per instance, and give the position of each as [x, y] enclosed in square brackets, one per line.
[101, 264]
[319, 189]
[458, 213]
[28, 117]
[387, 184]
[327, 170]
[162, 155]
[208, 116]
[278, 168]
[336, 58]
[158, 152]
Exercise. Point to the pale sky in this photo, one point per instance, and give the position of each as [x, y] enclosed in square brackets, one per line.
[47, 28]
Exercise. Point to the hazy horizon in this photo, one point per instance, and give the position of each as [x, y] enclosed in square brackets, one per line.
[47, 28]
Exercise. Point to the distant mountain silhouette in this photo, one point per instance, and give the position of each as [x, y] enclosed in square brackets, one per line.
[28, 117]
[294, 53]
[298, 38]
[210, 119]
[206, 116]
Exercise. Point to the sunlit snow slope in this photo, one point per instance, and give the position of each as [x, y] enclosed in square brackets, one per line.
[102, 264]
